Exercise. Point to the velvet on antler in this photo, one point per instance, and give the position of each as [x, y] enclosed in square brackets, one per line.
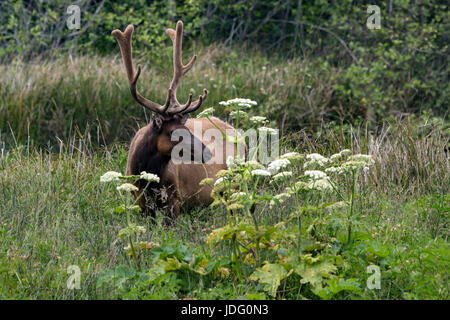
[171, 106]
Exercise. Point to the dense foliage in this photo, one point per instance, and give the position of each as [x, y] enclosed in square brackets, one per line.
[303, 240]
[401, 67]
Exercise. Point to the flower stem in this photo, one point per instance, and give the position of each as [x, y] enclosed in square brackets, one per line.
[352, 200]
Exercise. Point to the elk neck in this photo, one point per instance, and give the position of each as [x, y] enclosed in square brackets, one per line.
[147, 158]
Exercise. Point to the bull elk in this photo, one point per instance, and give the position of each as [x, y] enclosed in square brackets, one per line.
[152, 146]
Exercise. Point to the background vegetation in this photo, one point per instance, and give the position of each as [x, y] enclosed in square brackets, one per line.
[305, 62]
[318, 73]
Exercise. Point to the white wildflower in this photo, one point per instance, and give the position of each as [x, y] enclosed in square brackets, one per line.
[278, 164]
[321, 185]
[290, 155]
[353, 165]
[231, 163]
[206, 113]
[268, 130]
[237, 101]
[316, 174]
[315, 159]
[258, 120]
[238, 195]
[280, 197]
[150, 177]
[140, 229]
[234, 114]
[336, 156]
[281, 175]
[218, 181]
[334, 170]
[339, 155]
[110, 176]
[261, 172]
[245, 105]
[252, 164]
[127, 187]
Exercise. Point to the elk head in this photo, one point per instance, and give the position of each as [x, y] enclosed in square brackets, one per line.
[171, 115]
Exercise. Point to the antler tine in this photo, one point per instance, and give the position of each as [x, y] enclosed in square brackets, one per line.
[179, 70]
[197, 103]
[124, 40]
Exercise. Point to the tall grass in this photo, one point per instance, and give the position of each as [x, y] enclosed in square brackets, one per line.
[48, 100]
[63, 123]
[54, 213]
[409, 153]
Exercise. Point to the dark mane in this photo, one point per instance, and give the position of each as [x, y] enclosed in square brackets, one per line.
[146, 157]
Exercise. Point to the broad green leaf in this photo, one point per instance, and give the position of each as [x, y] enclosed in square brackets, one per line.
[270, 276]
[315, 273]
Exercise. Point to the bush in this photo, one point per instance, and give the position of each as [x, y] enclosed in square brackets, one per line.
[400, 68]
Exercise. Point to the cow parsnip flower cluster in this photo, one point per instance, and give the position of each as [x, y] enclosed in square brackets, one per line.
[261, 172]
[238, 113]
[113, 176]
[279, 198]
[267, 130]
[239, 101]
[139, 247]
[291, 156]
[208, 112]
[248, 189]
[258, 120]
[245, 186]
[353, 164]
[282, 175]
[338, 156]
[110, 176]
[315, 160]
[150, 177]
[277, 165]
[316, 174]
[234, 162]
[131, 232]
[127, 187]
[320, 184]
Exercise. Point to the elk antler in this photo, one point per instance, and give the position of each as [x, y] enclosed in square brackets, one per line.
[178, 72]
[124, 40]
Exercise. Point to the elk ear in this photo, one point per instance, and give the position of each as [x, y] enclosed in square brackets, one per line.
[157, 123]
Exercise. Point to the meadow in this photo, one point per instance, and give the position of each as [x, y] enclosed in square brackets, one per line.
[66, 122]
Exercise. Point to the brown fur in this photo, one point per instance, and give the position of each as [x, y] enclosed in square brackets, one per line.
[179, 182]
[151, 148]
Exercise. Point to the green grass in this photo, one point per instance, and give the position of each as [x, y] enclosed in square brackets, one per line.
[64, 123]
[54, 213]
[50, 100]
